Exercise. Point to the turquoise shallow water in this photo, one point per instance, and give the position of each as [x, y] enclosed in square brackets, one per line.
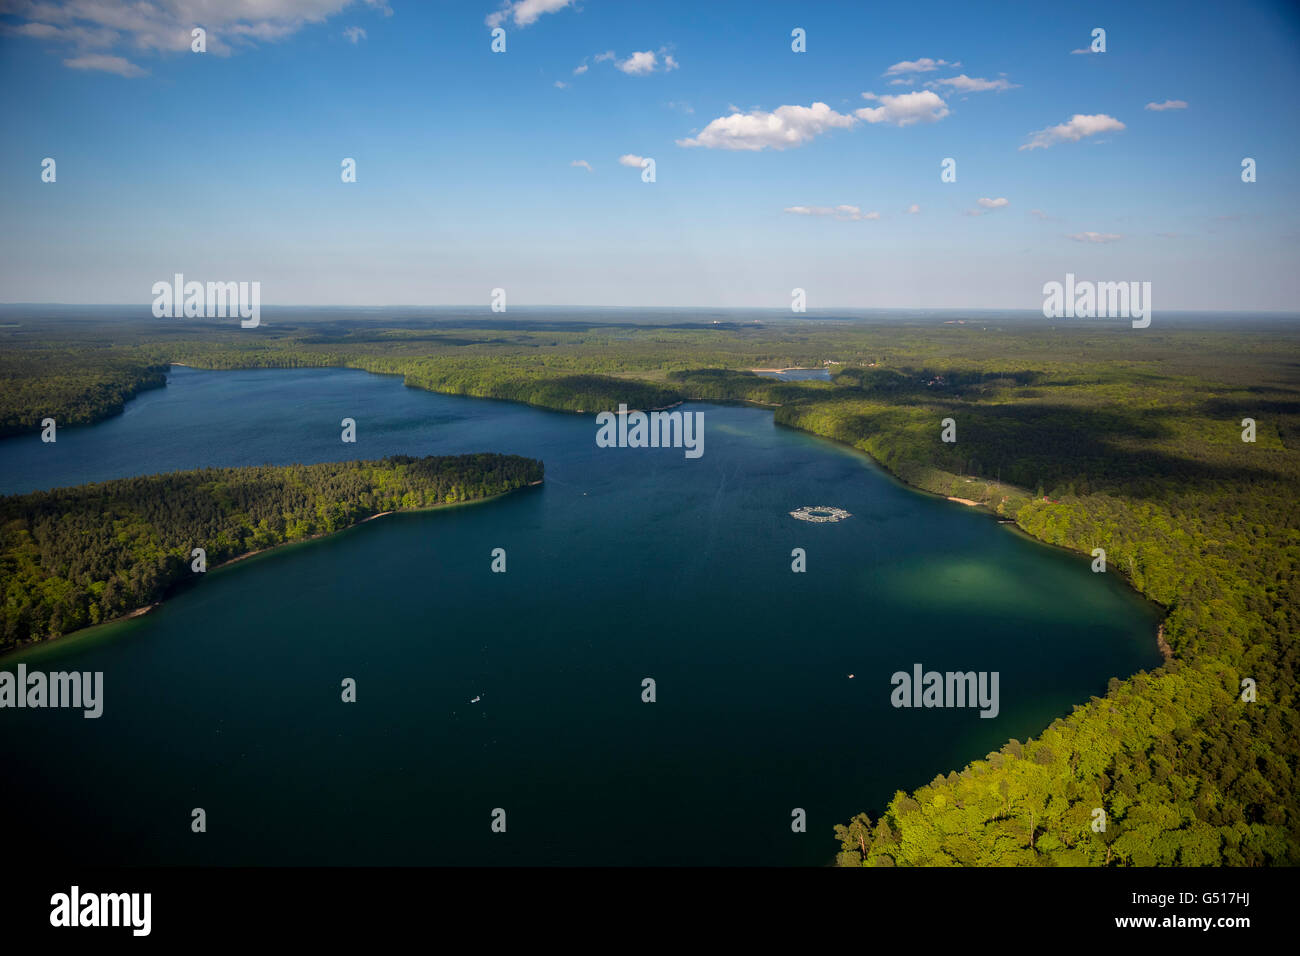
[626, 564]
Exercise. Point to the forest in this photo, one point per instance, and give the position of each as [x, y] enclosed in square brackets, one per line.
[73, 557]
[1085, 436]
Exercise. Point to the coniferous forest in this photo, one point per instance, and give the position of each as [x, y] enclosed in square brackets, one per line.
[73, 557]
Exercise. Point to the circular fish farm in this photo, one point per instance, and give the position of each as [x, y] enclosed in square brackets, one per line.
[820, 513]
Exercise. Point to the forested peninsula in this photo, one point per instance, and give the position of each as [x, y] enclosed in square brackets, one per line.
[1087, 437]
[74, 557]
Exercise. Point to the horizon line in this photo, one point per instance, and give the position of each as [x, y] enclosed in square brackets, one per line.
[720, 308]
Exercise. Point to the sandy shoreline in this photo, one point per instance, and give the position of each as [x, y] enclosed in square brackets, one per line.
[314, 537]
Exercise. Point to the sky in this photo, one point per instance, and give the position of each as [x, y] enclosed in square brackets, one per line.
[774, 169]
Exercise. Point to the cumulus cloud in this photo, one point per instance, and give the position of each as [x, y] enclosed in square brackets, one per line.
[525, 12]
[783, 128]
[1167, 105]
[580, 69]
[842, 213]
[631, 159]
[646, 62]
[1095, 236]
[638, 64]
[583, 164]
[1078, 127]
[973, 84]
[905, 109]
[789, 126]
[923, 65]
[107, 64]
[601, 57]
[354, 35]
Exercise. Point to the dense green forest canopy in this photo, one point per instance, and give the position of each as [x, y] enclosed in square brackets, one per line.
[1087, 435]
[73, 557]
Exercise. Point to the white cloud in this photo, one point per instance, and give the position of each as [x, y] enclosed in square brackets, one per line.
[638, 64]
[842, 213]
[783, 128]
[790, 126]
[1039, 214]
[631, 159]
[1095, 236]
[988, 205]
[973, 84]
[902, 81]
[913, 209]
[147, 26]
[525, 12]
[561, 85]
[581, 69]
[646, 62]
[607, 55]
[905, 109]
[583, 164]
[354, 35]
[108, 64]
[994, 203]
[1167, 105]
[923, 65]
[84, 37]
[42, 31]
[1078, 127]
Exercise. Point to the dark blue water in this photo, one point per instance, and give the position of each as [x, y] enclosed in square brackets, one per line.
[626, 564]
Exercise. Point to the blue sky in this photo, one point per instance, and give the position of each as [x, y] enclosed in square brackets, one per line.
[226, 165]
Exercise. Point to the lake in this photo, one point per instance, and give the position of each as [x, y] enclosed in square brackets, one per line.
[626, 564]
[799, 375]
